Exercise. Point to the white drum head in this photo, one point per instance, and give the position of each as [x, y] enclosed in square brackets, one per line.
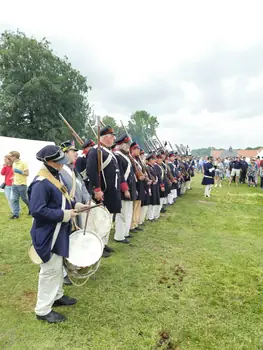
[84, 250]
[99, 221]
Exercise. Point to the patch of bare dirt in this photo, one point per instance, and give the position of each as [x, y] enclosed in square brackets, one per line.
[172, 277]
[4, 269]
[206, 202]
[27, 301]
[165, 342]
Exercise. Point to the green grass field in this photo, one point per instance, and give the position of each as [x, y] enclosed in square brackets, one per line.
[191, 281]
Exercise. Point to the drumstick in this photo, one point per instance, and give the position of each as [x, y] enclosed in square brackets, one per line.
[81, 210]
[87, 216]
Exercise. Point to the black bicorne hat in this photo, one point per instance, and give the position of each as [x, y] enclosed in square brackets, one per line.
[88, 143]
[106, 130]
[68, 146]
[150, 156]
[124, 138]
[52, 153]
[134, 145]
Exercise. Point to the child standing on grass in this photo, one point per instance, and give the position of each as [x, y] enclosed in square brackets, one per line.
[7, 172]
[251, 173]
[261, 175]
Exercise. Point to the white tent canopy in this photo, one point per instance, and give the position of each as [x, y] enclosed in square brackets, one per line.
[27, 150]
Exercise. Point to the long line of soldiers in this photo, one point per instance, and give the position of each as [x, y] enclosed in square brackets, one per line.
[134, 187]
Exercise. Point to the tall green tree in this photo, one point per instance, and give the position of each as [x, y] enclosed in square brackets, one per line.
[35, 85]
[202, 152]
[141, 123]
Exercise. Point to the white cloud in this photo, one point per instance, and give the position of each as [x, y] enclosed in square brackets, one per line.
[127, 47]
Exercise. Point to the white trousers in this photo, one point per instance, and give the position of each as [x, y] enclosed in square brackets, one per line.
[183, 188]
[208, 189]
[188, 185]
[174, 193]
[158, 212]
[170, 198]
[50, 284]
[123, 221]
[143, 213]
[151, 211]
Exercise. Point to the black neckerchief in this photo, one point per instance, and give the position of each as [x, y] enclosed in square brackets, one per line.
[53, 171]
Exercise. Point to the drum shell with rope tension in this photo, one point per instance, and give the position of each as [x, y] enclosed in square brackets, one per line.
[85, 252]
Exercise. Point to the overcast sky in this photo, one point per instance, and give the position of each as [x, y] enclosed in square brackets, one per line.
[196, 65]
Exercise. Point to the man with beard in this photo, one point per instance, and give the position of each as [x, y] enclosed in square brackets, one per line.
[135, 153]
[106, 184]
[160, 172]
[147, 189]
[174, 174]
[128, 189]
[154, 207]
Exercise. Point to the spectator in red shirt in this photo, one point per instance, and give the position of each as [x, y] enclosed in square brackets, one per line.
[7, 172]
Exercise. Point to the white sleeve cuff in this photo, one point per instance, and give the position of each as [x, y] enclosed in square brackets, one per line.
[67, 216]
[212, 169]
[79, 205]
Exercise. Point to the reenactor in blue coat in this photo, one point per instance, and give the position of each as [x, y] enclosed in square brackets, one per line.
[154, 207]
[107, 189]
[140, 184]
[174, 172]
[160, 172]
[128, 189]
[53, 212]
[81, 163]
[209, 175]
[147, 188]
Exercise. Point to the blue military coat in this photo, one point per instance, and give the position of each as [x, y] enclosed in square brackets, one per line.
[209, 174]
[110, 177]
[45, 202]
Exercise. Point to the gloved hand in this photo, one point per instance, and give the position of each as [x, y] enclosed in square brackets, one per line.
[17, 171]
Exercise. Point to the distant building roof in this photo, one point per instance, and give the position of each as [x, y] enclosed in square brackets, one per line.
[249, 153]
[216, 153]
[234, 153]
[229, 153]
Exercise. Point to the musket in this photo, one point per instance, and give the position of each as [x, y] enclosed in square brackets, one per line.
[77, 137]
[146, 144]
[159, 141]
[138, 171]
[170, 145]
[103, 124]
[99, 151]
[183, 148]
[92, 130]
[178, 149]
[91, 127]
[146, 147]
[124, 127]
[152, 144]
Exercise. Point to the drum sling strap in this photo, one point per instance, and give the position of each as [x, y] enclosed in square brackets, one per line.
[45, 174]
